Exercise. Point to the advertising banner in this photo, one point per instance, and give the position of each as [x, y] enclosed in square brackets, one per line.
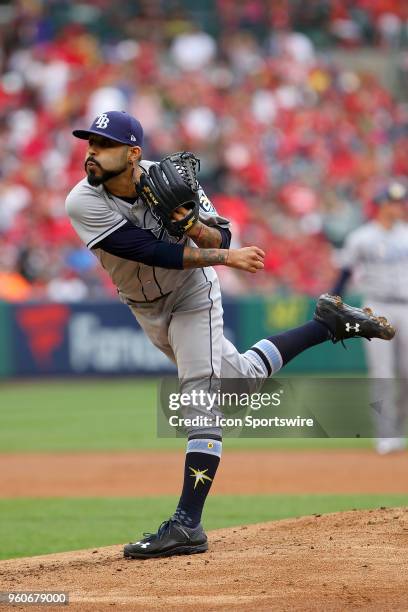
[87, 339]
[97, 339]
[84, 339]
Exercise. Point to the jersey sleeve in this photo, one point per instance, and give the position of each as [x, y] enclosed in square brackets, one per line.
[208, 214]
[91, 217]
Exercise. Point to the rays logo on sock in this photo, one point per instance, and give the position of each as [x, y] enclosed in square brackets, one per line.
[200, 476]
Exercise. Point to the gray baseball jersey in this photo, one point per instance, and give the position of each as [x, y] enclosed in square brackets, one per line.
[95, 214]
[180, 310]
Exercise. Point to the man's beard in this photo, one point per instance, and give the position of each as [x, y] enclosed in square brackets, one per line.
[96, 180]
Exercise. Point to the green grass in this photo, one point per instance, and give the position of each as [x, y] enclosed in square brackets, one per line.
[39, 526]
[71, 415]
[103, 415]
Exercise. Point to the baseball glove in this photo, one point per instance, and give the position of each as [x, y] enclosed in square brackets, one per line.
[170, 184]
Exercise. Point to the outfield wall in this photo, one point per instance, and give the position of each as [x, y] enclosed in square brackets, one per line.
[96, 339]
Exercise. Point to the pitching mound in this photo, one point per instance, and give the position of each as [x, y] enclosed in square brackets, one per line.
[342, 561]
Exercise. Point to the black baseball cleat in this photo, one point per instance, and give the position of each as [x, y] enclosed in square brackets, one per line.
[172, 538]
[345, 321]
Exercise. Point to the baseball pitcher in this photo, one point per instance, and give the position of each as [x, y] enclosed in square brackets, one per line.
[158, 236]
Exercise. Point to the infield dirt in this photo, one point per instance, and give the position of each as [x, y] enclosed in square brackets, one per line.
[98, 474]
[355, 560]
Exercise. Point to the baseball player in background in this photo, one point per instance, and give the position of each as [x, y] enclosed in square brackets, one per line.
[155, 232]
[377, 252]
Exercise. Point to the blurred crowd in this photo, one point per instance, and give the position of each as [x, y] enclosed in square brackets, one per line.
[293, 149]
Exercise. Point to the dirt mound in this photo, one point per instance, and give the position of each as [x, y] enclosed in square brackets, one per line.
[341, 561]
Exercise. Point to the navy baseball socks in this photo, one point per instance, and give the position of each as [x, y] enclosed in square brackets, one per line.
[272, 353]
[203, 456]
[294, 341]
[183, 533]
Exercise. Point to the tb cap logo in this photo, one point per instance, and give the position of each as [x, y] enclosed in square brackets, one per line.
[102, 121]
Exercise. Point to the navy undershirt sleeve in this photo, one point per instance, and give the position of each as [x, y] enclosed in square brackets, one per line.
[225, 237]
[137, 244]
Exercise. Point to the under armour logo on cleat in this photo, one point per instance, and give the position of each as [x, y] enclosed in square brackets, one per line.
[355, 328]
[145, 545]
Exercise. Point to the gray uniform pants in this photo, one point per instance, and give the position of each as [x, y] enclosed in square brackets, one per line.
[187, 326]
[388, 361]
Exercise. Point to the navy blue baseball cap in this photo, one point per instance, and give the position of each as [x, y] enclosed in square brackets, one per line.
[393, 192]
[116, 125]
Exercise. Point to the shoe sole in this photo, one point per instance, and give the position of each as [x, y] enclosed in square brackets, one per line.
[180, 550]
[386, 329]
